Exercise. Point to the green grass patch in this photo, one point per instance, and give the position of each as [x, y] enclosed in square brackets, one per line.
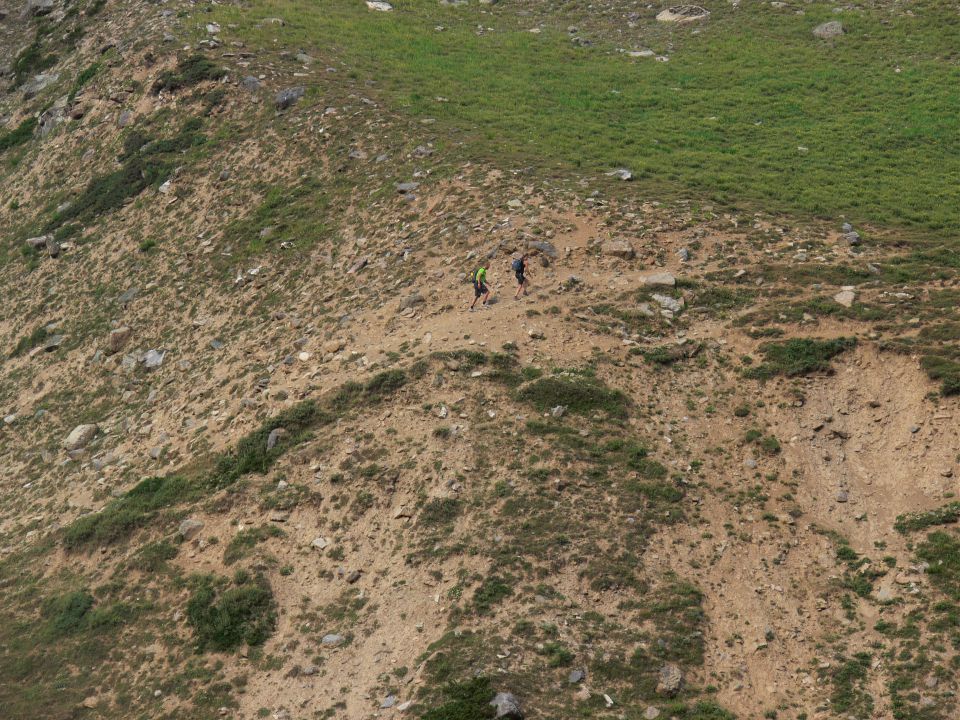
[244, 541]
[798, 356]
[942, 550]
[944, 369]
[580, 394]
[225, 615]
[28, 342]
[126, 514]
[911, 522]
[468, 700]
[492, 591]
[750, 108]
[191, 70]
[19, 135]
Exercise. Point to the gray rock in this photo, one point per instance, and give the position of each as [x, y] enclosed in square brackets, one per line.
[38, 84]
[842, 496]
[250, 83]
[379, 5]
[506, 706]
[576, 676]
[846, 227]
[668, 303]
[662, 279]
[852, 238]
[190, 528]
[651, 713]
[153, 359]
[750, 463]
[388, 702]
[621, 174]
[80, 436]
[53, 342]
[683, 254]
[619, 248]
[38, 242]
[275, 436]
[302, 57]
[828, 30]
[545, 247]
[53, 247]
[407, 187]
[353, 576]
[670, 680]
[680, 14]
[558, 411]
[289, 97]
[845, 297]
[36, 8]
[128, 296]
[331, 639]
[125, 119]
[411, 301]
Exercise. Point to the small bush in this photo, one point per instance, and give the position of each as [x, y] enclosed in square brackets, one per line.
[224, 617]
[121, 517]
[492, 591]
[75, 612]
[439, 512]
[945, 370]
[244, 541]
[580, 395]
[31, 60]
[190, 71]
[799, 356]
[911, 522]
[29, 342]
[153, 557]
[469, 700]
[19, 135]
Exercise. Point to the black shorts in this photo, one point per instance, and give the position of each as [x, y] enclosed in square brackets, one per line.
[520, 278]
[479, 289]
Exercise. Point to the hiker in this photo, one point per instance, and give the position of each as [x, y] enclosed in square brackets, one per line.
[520, 266]
[480, 286]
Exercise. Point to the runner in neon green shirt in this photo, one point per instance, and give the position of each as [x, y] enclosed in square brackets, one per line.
[480, 286]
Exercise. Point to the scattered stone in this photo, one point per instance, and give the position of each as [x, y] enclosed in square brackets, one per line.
[506, 706]
[914, 429]
[36, 8]
[289, 97]
[379, 5]
[53, 342]
[846, 296]
[663, 279]
[852, 238]
[80, 437]
[128, 295]
[125, 119]
[651, 713]
[118, 339]
[250, 83]
[536, 334]
[680, 14]
[619, 248]
[319, 543]
[411, 301]
[842, 496]
[190, 528]
[576, 676]
[38, 84]
[353, 576]
[388, 702]
[828, 30]
[558, 411]
[407, 187]
[670, 680]
[275, 436]
[621, 174]
[545, 247]
[683, 254]
[331, 639]
[750, 463]
[668, 303]
[153, 359]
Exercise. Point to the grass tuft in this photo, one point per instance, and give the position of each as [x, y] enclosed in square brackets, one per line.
[799, 356]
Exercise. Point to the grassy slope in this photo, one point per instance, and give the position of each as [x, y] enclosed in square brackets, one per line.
[723, 118]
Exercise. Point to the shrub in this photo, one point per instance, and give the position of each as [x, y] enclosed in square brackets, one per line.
[123, 516]
[911, 522]
[245, 540]
[19, 135]
[28, 342]
[224, 617]
[469, 700]
[439, 511]
[190, 71]
[580, 395]
[491, 591]
[799, 356]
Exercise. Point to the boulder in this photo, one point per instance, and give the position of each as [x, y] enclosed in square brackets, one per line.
[153, 359]
[506, 706]
[828, 30]
[411, 301]
[118, 339]
[275, 436]
[845, 297]
[662, 279]
[39, 83]
[289, 97]
[670, 680]
[80, 437]
[545, 247]
[250, 83]
[379, 5]
[680, 14]
[619, 248]
[190, 528]
[36, 8]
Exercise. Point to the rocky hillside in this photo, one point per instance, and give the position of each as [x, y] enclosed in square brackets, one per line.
[261, 460]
